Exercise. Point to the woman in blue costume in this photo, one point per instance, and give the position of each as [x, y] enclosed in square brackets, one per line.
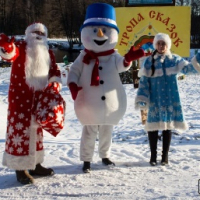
[158, 92]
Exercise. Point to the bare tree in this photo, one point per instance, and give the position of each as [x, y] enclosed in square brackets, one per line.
[34, 10]
[2, 15]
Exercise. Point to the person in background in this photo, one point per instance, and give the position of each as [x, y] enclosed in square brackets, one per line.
[158, 92]
[33, 71]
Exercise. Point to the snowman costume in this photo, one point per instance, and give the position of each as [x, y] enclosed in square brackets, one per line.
[99, 97]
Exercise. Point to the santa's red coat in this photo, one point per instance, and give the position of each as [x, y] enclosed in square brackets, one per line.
[24, 138]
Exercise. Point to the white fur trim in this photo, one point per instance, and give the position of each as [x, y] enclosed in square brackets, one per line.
[34, 157]
[163, 56]
[195, 64]
[33, 136]
[36, 27]
[142, 60]
[176, 69]
[37, 65]
[96, 20]
[181, 126]
[142, 71]
[147, 73]
[159, 72]
[56, 79]
[164, 37]
[10, 55]
[22, 162]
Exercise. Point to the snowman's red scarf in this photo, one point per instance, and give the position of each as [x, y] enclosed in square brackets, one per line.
[92, 55]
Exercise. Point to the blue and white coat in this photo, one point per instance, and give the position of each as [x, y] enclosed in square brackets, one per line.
[160, 91]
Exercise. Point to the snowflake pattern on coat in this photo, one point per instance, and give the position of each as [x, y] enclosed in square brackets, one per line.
[50, 111]
[22, 101]
[160, 91]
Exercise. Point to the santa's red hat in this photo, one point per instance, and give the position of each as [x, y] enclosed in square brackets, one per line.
[37, 26]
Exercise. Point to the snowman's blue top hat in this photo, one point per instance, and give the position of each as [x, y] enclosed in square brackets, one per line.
[100, 14]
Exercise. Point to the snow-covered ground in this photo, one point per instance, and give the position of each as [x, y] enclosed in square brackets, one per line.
[132, 177]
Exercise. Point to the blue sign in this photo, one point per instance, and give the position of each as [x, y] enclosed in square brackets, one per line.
[150, 2]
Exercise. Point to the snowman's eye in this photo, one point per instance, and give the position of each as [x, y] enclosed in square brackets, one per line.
[104, 30]
[95, 30]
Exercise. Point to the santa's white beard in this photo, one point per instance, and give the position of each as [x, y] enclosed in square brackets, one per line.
[37, 62]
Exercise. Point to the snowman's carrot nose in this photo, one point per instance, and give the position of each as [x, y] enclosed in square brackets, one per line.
[100, 33]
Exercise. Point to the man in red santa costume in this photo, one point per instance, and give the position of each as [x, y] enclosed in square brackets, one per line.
[33, 71]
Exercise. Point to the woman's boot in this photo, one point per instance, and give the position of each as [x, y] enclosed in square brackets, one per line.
[153, 140]
[166, 144]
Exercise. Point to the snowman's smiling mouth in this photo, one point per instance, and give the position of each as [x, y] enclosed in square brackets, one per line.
[98, 42]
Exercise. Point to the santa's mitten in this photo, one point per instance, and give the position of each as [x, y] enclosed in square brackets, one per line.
[74, 90]
[133, 55]
[6, 43]
[50, 110]
[53, 87]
